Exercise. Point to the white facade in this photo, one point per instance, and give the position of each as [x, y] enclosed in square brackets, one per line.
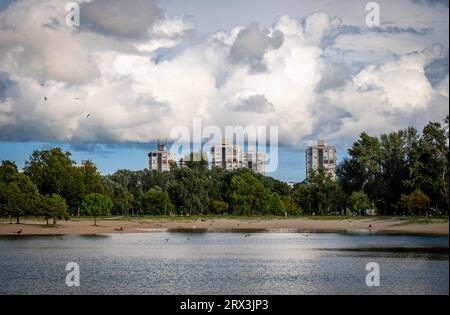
[160, 159]
[255, 161]
[321, 155]
[226, 156]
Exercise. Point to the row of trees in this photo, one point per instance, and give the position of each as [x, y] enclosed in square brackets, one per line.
[400, 172]
[20, 196]
[195, 189]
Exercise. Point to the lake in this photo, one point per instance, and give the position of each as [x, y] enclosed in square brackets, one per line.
[183, 262]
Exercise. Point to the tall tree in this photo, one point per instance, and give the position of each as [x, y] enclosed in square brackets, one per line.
[155, 202]
[96, 204]
[18, 197]
[54, 207]
[359, 202]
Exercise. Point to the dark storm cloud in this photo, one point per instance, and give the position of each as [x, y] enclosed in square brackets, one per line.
[336, 75]
[108, 147]
[437, 70]
[251, 44]
[5, 84]
[351, 29]
[253, 104]
[328, 116]
[131, 18]
[432, 2]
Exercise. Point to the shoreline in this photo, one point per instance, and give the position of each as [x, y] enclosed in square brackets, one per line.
[438, 227]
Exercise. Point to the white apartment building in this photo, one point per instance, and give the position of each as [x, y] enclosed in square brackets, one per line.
[255, 161]
[321, 155]
[226, 156]
[160, 159]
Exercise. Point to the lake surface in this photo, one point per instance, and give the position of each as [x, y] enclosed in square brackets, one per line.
[168, 262]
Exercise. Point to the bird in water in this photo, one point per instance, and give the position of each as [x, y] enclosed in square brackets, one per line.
[246, 235]
[45, 98]
[88, 115]
[19, 231]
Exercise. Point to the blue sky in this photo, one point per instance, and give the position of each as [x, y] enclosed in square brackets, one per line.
[110, 88]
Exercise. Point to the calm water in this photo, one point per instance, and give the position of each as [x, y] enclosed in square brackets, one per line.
[224, 263]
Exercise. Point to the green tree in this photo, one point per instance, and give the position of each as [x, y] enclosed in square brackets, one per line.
[54, 172]
[54, 207]
[18, 196]
[359, 202]
[48, 169]
[275, 206]
[301, 196]
[248, 194]
[415, 203]
[219, 206]
[96, 204]
[292, 207]
[321, 189]
[351, 177]
[155, 202]
[91, 177]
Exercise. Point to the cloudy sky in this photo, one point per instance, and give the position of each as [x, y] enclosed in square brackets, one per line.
[134, 69]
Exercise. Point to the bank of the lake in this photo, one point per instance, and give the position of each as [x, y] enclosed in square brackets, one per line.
[84, 226]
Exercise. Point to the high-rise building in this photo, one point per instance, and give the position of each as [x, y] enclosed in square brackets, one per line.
[321, 156]
[255, 161]
[160, 159]
[226, 156]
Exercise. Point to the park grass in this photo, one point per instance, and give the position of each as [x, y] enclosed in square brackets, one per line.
[47, 226]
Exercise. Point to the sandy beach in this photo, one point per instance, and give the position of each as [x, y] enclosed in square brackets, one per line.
[107, 226]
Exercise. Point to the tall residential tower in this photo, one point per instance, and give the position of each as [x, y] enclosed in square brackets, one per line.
[255, 161]
[160, 159]
[321, 156]
[226, 156]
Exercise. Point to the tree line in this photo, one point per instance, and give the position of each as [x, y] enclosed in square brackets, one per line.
[402, 172]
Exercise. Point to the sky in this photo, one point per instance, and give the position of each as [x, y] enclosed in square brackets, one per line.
[134, 70]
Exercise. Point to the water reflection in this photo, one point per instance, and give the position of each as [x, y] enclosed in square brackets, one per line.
[196, 262]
